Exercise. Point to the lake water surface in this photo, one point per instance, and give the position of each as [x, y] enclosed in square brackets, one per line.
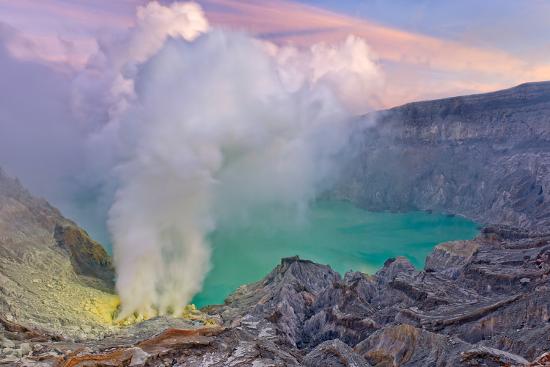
[334, 233]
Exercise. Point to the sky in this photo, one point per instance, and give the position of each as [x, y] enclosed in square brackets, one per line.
[426, 48]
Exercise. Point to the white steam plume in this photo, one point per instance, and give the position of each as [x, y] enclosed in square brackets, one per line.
[207, 126]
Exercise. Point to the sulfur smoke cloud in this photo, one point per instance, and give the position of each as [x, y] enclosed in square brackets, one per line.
[203, 126]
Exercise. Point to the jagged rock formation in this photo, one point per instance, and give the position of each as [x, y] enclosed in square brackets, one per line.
[486, 157]
[485, 299]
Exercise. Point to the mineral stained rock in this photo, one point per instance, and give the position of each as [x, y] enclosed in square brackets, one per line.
[482, 302]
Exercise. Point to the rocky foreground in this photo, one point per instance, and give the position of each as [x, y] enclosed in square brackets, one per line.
[483, 302]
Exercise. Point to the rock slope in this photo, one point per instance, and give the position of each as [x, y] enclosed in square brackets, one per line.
[52, 275]
[486, 157]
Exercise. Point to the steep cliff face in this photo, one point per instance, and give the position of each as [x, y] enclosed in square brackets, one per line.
[485, 156]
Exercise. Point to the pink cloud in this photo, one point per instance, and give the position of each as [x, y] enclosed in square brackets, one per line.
[98, 15]
[422, 66]
[63, 32]
[466, 68]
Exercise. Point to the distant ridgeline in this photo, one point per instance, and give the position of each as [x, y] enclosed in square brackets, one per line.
[484, 156]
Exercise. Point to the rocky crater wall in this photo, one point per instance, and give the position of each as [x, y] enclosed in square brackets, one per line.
[486, 157]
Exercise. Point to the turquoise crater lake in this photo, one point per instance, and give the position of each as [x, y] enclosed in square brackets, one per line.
[334, 233]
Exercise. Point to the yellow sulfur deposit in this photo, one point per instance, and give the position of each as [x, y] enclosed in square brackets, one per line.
[103, 307]
[106, 309]
[190, 312]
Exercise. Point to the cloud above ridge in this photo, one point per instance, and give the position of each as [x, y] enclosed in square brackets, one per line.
[417, 66]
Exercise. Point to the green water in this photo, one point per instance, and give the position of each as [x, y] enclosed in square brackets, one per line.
[334, 233]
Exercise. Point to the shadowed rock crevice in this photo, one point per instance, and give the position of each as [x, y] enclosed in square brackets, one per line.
[88, 257]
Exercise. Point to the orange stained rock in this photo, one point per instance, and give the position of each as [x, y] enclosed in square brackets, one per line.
[168, 339]
[542, 361]
[115, 358]
[395, 341]
[173, 337]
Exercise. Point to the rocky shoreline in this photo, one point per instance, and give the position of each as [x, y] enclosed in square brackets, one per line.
[482, 302]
